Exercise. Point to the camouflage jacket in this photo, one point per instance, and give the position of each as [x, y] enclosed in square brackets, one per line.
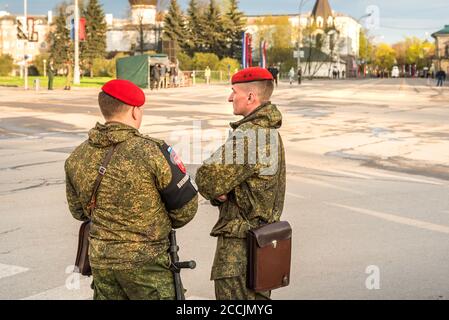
[130, 224]
[250, 169]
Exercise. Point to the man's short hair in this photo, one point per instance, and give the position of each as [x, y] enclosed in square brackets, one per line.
[263, 89]
[111, 107]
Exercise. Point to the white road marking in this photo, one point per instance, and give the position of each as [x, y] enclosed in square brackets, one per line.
[295, 195]
[83, 292]
[326, 185]
[410, 179]
[8, 270]
[397, 219]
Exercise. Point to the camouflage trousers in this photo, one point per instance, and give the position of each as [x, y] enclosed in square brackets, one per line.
[151, 281]
[235, 289]
[229, 271]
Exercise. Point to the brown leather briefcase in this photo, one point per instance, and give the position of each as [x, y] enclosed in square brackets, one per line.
[269, 256]
[82, 264]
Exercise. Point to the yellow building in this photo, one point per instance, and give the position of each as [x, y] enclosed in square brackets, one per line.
[441, 61]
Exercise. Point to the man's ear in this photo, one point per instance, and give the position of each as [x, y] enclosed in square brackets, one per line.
[133, 113]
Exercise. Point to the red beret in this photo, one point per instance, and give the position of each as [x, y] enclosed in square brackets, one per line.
[125, 91]
[252, 74]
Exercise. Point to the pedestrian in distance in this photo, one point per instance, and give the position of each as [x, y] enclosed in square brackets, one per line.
[163, 72]
[299, 75]
[69, 76]
[156, 76]
[144, 193]
[291, 75]
[51, 75]
[441, 77]
[207, 75]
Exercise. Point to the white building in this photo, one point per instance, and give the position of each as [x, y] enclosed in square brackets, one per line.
[122, 35]
[125, 34]
[342, 29]
[10, 44]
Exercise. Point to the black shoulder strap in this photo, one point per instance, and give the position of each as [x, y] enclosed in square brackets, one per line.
[101, 172]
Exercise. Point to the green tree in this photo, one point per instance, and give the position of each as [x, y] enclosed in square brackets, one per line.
[400, 49]
[234, 26]
[38, 62]
[94, 47]
[366, 48]
[282, 56]
[228, 64]
[202, 60]
[385, 56]
[414, 51]
[195, 28]
[61, 49]
[276, 30]
[214, 30]
[419, 52]
[6, 64]
[185, 61]
[174, 28]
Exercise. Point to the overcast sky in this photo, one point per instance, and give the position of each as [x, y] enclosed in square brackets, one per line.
[398, 18]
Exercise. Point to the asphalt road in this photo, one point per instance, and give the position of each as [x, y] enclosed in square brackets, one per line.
[367, 193]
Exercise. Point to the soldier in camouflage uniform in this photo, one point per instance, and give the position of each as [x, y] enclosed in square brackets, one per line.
[131, 221]
[248, 189]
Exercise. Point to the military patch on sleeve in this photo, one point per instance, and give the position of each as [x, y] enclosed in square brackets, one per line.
[182, 188]
[175, 159]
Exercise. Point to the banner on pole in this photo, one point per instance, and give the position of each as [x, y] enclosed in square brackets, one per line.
[82, 29]
[247, 56]
[263, 54]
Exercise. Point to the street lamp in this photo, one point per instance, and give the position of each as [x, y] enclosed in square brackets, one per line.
[301, 5]
[366, 47]
[25, 45]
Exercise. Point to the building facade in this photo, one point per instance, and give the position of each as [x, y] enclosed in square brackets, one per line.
[338, 33]
[141, 28]
[39, 28]
[441, 61]
[142, 31]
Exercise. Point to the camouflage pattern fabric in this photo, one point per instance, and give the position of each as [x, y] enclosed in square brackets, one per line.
[150, 281]
[130, 224]
[230, 260]
[235, 289]
[255, 192]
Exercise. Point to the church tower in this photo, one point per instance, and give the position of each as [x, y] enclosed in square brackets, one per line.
[143, 11]
[322, 16]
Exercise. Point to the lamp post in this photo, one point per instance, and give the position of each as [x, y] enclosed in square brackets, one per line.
[76, 72]
[301, 5]
[366, 60]
[25, 44]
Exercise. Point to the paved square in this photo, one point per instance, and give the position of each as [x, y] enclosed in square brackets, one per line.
[368, 179]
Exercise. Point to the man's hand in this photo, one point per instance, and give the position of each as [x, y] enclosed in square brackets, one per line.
[222, 198]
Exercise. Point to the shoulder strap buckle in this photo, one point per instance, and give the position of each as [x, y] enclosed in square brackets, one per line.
[102, 170]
